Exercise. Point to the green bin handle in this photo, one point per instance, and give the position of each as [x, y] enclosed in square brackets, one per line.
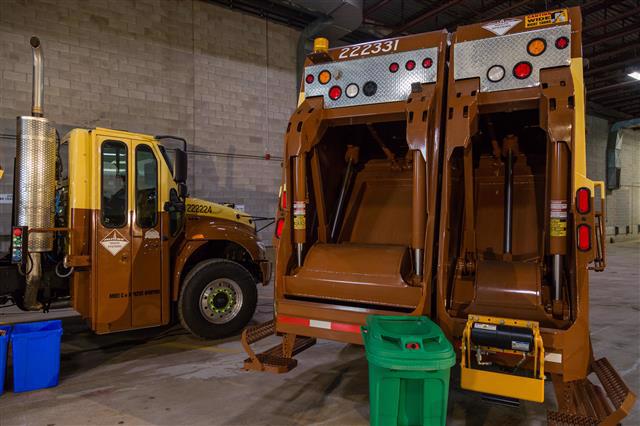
[405, 343]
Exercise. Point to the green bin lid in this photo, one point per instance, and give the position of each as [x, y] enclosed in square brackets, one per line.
[407, 342]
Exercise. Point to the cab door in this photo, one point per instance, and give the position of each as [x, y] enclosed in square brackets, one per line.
[146, 236]
[112, 219]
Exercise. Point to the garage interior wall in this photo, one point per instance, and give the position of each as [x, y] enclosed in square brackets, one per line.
[223, 80]
[623, 204]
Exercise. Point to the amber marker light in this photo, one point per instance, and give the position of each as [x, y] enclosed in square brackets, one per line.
[536, 47]
[324, 77]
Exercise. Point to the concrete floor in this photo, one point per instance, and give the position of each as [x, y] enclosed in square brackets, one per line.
[164, 376]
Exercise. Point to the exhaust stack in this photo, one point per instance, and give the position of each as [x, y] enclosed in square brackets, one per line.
[37, 91]
[35, 178]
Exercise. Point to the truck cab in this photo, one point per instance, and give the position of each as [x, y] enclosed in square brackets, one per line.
[131, 247]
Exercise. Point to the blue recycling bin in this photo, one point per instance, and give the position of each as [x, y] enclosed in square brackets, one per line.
[36, 355]
[5, 332]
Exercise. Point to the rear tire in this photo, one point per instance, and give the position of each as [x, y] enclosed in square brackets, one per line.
[218, 298]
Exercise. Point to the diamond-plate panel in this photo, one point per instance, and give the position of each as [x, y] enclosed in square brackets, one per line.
[474, 58]
[392, 87]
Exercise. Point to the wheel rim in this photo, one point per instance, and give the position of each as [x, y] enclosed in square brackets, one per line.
[221, 300]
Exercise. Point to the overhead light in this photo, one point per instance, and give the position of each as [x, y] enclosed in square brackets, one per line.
[635, 75]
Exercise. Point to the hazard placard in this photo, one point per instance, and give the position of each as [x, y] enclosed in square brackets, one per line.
[546, 18]
[114, 242]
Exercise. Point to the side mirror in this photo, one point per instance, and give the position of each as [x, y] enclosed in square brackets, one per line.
[183, 192]
[175, 203]
[180, 166]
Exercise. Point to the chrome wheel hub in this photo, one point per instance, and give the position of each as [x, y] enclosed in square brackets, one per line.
[220, 301]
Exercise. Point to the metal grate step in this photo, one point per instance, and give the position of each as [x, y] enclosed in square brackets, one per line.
[616, 388]
[583, 403]
[272, 359]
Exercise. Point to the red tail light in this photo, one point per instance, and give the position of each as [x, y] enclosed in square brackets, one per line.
[584, 237]
[522, 70]
[427, 62]
[583, 200]
[283, 200]
[335, 92]
[394, 67]
[279, 227]
[410, 65]
[309, 78]
[562, 42]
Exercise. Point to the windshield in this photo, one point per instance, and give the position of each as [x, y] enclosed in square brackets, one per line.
[166, 158]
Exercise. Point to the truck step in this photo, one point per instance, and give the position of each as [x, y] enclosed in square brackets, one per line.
[583, 403]
[261, 331]
[616, 389]
[278, 359]
[556, 418]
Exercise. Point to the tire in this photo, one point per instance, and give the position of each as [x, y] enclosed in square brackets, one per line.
[217, 299]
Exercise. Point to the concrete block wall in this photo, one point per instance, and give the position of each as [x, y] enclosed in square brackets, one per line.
[623, 204]
[222, 79]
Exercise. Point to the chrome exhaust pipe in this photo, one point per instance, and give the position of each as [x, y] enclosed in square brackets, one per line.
[35, 180]
[37, 92]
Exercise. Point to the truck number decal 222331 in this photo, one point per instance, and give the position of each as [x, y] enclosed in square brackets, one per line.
[368, 49]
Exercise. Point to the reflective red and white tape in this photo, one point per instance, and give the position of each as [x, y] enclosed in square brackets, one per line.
[325, 325]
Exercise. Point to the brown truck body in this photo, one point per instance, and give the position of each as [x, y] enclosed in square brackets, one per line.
[501, 216]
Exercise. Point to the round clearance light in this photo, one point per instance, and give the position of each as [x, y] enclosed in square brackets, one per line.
[410, 65]
[324, 77]
[352, 90]
[522, 70]
[335, 92]
[309, 79]
[536, 47]
[495, 73]
[562, 42]
[394, 67]
[370, 88]
[427, 63]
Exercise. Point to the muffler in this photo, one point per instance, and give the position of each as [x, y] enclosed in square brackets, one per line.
[35, 179]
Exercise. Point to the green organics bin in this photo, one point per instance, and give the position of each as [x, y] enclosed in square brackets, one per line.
[409, 364]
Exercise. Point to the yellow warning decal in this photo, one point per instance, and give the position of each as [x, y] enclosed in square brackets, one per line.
[546, 18]
[558, 228]
[299, 222]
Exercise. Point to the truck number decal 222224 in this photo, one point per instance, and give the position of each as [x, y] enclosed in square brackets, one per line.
[198, 208]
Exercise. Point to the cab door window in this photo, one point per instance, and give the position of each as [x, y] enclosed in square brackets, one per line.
[114, 184]
[146, 187]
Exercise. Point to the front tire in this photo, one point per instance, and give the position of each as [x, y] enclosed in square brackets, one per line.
[217, 299]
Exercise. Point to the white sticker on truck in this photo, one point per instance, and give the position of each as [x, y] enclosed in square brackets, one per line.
[114, 242]
[502, 26]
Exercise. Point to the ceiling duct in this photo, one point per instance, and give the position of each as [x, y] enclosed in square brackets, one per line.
[336, 19]
[346, 15]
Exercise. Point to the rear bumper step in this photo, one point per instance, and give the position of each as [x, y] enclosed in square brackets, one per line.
[581, 402]
[278, 359]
